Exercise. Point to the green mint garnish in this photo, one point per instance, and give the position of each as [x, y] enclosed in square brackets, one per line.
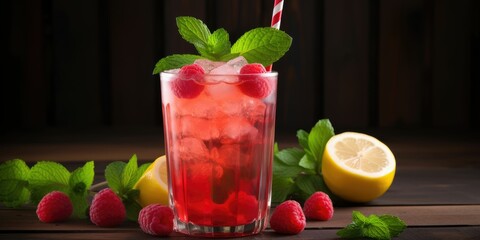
[20, 185]
[14, 183]
[382, 227]
[174, 61]
[211, 46]
[121, 177]
[395, 224]
[79, 183]
[45, 177]
[297, 171]
[260, 45]
[317, 139]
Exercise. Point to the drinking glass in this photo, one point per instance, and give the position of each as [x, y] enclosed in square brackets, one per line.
[219, 147]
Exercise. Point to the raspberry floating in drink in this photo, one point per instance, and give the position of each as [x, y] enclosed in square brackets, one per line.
[187, 84]
[251, 83]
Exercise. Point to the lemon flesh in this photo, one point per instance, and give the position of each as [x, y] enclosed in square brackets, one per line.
[357, 167]
[153, 184]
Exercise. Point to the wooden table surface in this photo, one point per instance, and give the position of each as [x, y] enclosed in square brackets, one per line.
[436, 190]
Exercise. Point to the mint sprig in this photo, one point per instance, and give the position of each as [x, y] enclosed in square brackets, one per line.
[260, 45]
[20, 185]
[297, 171]
[211, 46]
[382, 227]
[121, 178]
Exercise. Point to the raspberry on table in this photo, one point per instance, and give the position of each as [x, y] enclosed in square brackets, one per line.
[156, 220]
[288, 218]
[251, 85]
[54, 207]
[107, 209]
[186, 85]
[318, 207]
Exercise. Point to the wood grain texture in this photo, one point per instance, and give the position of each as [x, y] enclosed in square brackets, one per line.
[414, 216]
[431, 233]
[435, 190]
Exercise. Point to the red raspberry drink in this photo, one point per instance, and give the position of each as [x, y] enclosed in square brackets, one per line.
[219, 125]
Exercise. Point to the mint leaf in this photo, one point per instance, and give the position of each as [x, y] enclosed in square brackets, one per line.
[131, 205]
[280, 169]
[318, 138]
[218, 45]
[354, 229]
[194, 31]
[174, 61]
[129, 173]
[351, 231]
[275, 148]
[281, 188]
[375, 228]
[308, 161]
[113, 175]
[395, 224]
[141, 170]
[358, 217]
[133, 209]
[121, 178]
[80, 181]
[80, 204]
[311, 183]
[262, 45]
[14, 182]
[22, 196]
[47, 176]
[82, 176]
[290, 156]
[210, 45]
[228, 56]
[302, 137]
[305, 183]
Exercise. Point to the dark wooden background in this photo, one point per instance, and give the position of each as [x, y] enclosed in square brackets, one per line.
[400, 64]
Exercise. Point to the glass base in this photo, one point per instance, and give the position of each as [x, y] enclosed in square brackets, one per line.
[194, 230]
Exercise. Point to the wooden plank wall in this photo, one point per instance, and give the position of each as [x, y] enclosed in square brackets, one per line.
[363, 64]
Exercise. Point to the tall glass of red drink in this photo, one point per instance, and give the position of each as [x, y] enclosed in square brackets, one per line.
[219, 147]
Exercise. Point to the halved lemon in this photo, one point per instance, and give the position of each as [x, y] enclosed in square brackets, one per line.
[153, 184]
[357, 167]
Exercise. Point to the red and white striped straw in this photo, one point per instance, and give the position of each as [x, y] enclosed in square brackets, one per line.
[277, 14]
[276, 19]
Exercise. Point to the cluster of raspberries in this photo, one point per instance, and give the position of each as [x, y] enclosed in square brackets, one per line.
[107, 210]
[290, 218]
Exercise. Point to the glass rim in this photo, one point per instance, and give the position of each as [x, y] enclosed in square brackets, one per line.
[267, 74]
